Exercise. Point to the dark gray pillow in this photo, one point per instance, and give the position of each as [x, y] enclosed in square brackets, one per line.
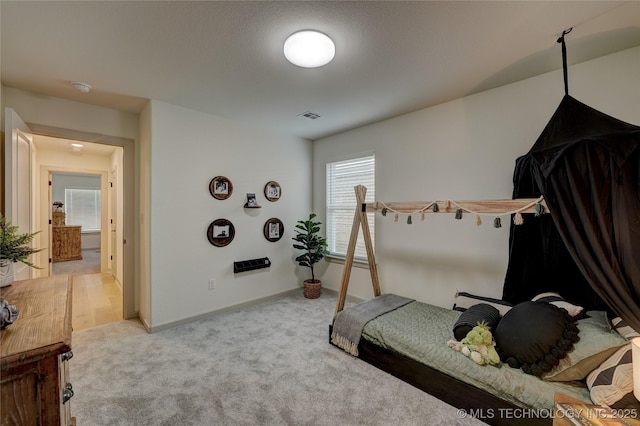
[475, 314]
[535, 336]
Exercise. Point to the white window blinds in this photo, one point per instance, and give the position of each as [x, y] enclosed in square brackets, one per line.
[342, 177]
[83, 208]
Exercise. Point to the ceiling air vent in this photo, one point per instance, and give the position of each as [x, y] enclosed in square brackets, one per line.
[309, 115]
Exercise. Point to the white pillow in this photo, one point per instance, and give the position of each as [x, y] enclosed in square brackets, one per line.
[625, 330]
[557, 300]
[612, 382]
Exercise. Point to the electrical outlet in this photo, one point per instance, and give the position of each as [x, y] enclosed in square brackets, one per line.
[212, 284]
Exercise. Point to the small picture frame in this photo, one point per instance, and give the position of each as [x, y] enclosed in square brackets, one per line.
[272, 191]
[221, 232]
[220, 188]
[252, 202]
[273, 229]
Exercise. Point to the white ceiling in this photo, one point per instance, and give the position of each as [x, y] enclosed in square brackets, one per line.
[225, 58]
[43, 143]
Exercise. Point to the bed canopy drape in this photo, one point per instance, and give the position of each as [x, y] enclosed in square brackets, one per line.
[586, 164]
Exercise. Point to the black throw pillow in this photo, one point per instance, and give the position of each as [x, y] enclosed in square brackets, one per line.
[475, 314]
[535, 336]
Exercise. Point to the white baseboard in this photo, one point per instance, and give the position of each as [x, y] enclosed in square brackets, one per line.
[219, 311]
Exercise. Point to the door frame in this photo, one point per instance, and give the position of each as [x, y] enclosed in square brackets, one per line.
[130, 285]
[46, 173]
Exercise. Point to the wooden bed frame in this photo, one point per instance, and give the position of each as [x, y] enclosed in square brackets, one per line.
[474, 401]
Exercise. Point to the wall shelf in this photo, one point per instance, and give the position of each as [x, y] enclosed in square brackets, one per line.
[251, 264]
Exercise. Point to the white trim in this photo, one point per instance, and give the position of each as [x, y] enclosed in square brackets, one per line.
[219, 311]
[350, 156]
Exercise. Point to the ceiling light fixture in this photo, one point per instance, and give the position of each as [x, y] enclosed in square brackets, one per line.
[82, 87]
[76, 146]
[309, 49]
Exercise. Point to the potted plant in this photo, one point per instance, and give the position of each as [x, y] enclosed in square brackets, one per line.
[314, 249]
[14, 247]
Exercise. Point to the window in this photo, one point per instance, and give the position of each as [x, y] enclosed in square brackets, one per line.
[83, 208]
[342, 176]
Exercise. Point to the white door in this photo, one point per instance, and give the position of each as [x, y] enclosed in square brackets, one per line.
[18, 183]
[50, 222]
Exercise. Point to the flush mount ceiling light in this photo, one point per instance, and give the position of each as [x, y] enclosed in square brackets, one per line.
[76, 146]
[82, 87]
[309, 49]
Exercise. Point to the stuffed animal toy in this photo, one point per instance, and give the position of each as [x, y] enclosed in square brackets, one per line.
[478, 345]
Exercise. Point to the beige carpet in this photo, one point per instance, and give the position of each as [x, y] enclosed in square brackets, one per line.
[270, 364]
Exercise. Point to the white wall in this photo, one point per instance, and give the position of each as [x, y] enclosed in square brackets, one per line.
[464, 149]
[62, 113]
[61, 181]
[187, 150]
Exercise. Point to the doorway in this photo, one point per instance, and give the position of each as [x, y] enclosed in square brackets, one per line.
[77, 180]
[128, 244]
[76, 225]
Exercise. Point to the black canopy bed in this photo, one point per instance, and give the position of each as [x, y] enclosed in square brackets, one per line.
[585, 248]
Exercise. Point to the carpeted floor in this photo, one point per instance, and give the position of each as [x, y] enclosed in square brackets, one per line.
[270, 364]
[90, 264]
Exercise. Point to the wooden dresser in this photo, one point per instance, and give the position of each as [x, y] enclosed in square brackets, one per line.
[67, 243]
[35, 352]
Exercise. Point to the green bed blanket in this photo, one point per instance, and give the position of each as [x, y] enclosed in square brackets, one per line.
[420, 331]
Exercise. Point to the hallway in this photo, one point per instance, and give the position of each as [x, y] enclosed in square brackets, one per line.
[97, 299]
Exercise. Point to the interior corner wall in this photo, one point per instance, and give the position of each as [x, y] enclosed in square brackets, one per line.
[187, 150]
[463, 149]
[144, 187]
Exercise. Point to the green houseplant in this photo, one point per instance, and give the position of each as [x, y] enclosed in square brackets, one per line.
[14, 247]
[314, 248]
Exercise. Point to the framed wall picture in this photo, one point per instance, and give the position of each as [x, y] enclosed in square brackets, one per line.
[273, 229]
[220, 188]
[272, 191]
[221, 232]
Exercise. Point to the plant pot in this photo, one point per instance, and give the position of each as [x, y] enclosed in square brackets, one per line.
[6, 272]
[312, 289]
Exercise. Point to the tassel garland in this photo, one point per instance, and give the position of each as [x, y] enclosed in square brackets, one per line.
[517, 219]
